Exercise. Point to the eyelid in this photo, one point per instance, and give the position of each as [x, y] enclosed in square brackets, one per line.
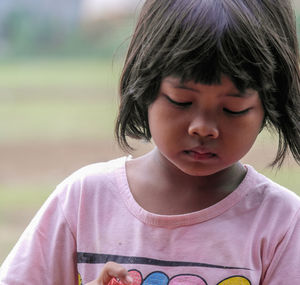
[234, 113]
[176, 103]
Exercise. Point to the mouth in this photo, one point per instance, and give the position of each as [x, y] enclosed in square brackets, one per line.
[200, 155]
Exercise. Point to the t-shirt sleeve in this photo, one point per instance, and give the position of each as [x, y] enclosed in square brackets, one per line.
[285, 265]
[46, 251]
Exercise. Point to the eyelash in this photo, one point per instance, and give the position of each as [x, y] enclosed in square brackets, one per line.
[236, 113]
[179, 104]
[186, 104]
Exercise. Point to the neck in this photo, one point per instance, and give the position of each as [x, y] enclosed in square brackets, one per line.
[165, 184]
[225, 180]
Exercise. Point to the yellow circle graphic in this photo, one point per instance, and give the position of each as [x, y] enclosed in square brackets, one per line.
[235, 280]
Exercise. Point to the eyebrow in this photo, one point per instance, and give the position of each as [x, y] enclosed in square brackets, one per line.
[242, 94]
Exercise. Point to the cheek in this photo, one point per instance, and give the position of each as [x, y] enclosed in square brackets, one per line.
[159, 117]
[244, 136]
[243, 130]
[156, 120]
[162, 127]
[257, 122]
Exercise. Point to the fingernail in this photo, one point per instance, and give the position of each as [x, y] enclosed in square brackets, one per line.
[128, 279]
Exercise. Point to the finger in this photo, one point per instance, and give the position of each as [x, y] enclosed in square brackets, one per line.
[114, 270]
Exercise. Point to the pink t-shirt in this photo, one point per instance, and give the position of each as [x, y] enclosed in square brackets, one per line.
[250, 237]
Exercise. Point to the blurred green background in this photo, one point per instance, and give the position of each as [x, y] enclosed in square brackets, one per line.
[58, 101]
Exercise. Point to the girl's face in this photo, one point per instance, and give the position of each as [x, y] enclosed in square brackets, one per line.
[203, 129]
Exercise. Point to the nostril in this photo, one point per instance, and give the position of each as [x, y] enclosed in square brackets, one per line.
[204, 130]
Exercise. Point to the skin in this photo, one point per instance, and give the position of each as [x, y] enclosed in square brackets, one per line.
[201, 132]
[113, 274]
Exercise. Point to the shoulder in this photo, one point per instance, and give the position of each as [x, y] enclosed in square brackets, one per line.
[268, 210]
[96, 170]
[88, 188]
[271, 196]
[92, 178]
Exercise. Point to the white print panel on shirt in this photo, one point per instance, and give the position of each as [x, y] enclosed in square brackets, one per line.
[159, 277]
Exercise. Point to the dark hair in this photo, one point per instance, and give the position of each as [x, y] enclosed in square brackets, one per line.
[253, 42]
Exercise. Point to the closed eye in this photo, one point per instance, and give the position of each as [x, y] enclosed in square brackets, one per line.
[237, 113]
[178, 104]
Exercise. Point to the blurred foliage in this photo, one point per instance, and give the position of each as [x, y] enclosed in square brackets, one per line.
[57, 72]
[25, 33]
[28, 33]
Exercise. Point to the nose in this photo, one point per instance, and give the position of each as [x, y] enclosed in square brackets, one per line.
[203, 127]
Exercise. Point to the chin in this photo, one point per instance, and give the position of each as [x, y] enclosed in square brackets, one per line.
[204, 171]
[198, 169]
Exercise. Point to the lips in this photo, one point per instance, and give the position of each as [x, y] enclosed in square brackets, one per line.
[200, 153]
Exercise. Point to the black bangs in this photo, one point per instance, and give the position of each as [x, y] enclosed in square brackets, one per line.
[213, 39]
[192, 54]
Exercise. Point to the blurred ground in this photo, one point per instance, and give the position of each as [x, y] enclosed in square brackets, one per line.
[49, 162]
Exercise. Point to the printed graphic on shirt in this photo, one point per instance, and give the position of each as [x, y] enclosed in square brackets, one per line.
[235, 280]
[159, 277]
[79, 279]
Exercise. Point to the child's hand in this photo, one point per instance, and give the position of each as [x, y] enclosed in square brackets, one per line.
[112, 274]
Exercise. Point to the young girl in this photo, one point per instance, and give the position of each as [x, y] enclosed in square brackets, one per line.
[202, 78]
